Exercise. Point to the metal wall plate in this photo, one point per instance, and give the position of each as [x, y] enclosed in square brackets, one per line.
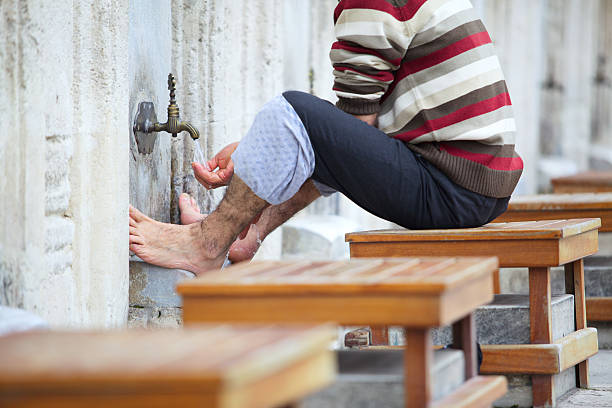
[143, 127]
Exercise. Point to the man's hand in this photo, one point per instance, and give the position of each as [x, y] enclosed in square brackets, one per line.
[370, 119]
[218, 171]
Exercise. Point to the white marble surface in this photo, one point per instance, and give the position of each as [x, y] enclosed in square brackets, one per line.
[18, 320]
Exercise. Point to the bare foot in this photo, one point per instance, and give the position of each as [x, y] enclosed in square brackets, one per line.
[171, 246]
[190, 212]
[242, 249]
[245, 249]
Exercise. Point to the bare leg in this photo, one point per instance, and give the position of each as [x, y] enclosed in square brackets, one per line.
[244, 249]
[196, 247]
[271, 218]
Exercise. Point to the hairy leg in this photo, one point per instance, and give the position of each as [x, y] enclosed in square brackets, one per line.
[245, 247]
[271, 218]
[199, 246]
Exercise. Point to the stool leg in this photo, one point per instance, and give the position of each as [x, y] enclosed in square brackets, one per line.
[540, 330]
[574, 284]
[464, 338]
[380, 336]
[496, 283]
[418, 358]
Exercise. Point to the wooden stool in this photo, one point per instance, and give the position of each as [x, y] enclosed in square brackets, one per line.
[207, 366]
[586, 182]
[415, 293]
[536, 245]
[559, 206]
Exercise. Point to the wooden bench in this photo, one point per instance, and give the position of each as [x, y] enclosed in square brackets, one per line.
[415, 293]
[559, 206]
[586, 182]
[536, 245]
[208, 366]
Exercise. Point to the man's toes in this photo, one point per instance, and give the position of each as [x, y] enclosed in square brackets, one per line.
[136, 239]
[184, 199]
[194, 204]
[137, 215]
[135, 248]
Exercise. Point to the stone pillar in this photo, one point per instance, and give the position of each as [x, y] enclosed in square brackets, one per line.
[63, 197]
[570, 42]
[601, 121]
[516, 29]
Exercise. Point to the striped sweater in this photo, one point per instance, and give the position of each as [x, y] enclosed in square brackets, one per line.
[430, 71]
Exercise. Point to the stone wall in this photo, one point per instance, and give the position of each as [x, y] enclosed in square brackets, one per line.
[63, 154]
[72, 74]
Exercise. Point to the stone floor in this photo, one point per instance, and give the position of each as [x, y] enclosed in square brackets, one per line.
[600, 393]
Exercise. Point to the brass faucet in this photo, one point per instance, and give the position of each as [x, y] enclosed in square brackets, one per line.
[146, 121]
[174, 125]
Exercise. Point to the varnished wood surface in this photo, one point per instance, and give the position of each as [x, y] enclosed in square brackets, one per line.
[551, 358]
[409, 292]
[372, 276]
[558, 202]
[477, 392]
[418, 358]
[464, 338]
[560, 206]
[599, 309]
[224, 366]
[589, 181]
[532, 230]
[574, 284]
[511, 253]
[540, 330]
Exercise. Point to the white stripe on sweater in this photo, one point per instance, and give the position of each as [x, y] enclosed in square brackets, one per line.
[439, 70]
[347, 31]
[447, 87]
[445, 11]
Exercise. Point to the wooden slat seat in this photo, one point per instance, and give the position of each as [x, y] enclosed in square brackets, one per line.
[543, 207]
[556, 206]
[206, 366]
[537, 245]
[585, 182]
[415, 293]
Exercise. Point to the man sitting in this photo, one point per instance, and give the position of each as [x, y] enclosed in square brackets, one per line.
[422, 135]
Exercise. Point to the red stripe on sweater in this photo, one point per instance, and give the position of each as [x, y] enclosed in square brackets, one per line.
[467, 112]
[488, 160]
[403, 13]
[384, 76]
[437, 57]
[342, 45]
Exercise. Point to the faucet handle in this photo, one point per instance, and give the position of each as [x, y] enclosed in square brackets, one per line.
[172, 87]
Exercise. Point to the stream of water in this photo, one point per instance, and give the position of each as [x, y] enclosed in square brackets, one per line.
[198, 153]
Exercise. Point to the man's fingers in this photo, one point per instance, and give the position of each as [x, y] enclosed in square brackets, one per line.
[211, 179]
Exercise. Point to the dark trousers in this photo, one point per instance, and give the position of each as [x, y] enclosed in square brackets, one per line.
[382, 175]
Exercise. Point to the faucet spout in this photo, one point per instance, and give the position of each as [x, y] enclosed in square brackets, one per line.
[188, 127]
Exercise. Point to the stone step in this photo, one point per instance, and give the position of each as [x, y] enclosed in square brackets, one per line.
[506, 321]
[375, 378]
[597, 278]
[154, 302]
[316, 237]
[598, 283]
